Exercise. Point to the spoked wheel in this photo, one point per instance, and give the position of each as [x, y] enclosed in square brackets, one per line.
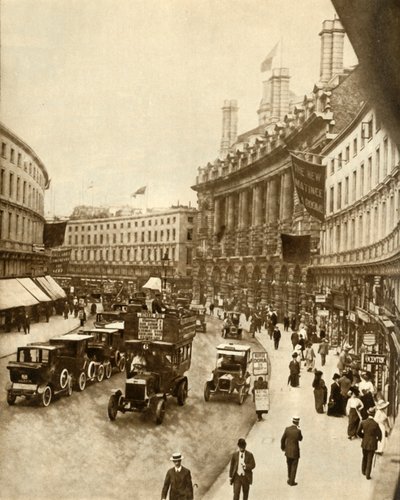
[207, 391]
[100, 373]
[64, 378]
[112, 407]
[108, 371]
[69, 387]
[122, 364]
[11, 398]
[82, 381]
[47, 396]
[242, 394]
[160, 411]
[182, 392]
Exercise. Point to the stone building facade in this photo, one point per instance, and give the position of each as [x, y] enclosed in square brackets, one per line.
[23, 181]
[246, 197]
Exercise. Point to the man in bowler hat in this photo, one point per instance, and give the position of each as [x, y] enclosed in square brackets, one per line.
[370, 433]
[241, 470]
[178, 481]
[290, 445]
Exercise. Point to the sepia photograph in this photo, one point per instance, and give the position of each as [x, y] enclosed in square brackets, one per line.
[199, 249]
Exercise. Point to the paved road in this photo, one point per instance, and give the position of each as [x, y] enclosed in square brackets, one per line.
[72, 450]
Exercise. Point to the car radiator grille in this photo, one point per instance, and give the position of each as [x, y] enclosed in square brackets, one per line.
[135, 391]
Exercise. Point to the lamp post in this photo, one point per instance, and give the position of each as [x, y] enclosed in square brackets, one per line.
[164, 263]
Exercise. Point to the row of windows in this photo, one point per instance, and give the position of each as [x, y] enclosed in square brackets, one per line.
[125, 238]
[128, 224]
[16, 158]
[126, 255]
[20, 191]
[361, 181]
[19, 228]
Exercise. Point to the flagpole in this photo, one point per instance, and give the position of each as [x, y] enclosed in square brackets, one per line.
[145, 200]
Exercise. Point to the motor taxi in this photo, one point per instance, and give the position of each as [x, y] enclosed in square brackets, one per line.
[201, 325]
[230, 327]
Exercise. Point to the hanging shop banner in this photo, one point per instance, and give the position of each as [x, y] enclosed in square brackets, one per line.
[353, 316]
[309, 179]
[362, 315]
[320, 298]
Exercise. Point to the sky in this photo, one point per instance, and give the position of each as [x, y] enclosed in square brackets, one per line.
[123, 94]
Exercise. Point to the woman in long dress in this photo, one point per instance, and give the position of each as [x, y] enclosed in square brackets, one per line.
[382, 419]
[353, 409]
[320, 392]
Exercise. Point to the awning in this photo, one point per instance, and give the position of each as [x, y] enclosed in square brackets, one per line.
[41, 280]
[13, 294]
[153, 284]
[34, 290]
[56, 287]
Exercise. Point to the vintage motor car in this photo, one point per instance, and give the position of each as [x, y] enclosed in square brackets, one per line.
[201, 325]
[107, 348]
[157, 362]
[38, 372]
[231, 372]
[74, 353]
[230, 326]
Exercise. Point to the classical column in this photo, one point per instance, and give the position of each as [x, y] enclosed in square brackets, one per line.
[217, 215]
[286, 196]
[257, 205]
[244, 196]
[272, 201]
[230, 212]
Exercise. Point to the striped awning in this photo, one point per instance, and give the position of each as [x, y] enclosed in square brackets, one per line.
[34, 289]
[13, 294]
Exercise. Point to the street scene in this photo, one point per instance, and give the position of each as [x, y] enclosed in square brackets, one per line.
[199, 250]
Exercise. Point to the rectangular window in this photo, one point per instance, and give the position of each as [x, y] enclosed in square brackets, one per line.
[142, 223]
[161, 235]
[167, 220]
[331, 199]
[355, 146]
[369, 186]
[114, 238]
[347, 154]
[82, 239]
[3, 149]
[88, 239]
[354, 185]
[332, 166]
[148, 235]
[121, 238]
[101, 239]
[135, 237]
[174, 234]
[142, 237]
[385, 157]
[18, 188]
[362, 180]
[11, 185]
[346, 191]
[340, 161]
[377, 165]
[339, 197]
[190, 234]
[95, 239]
[2, 177]
[190, 220]
[9, 225]
[19, 160]
[155, 235]
[129, 237]
[129, 225]
[76, 239]
[69, 240]
[12, 155]
[173, 254]
[393, 155]
[168, 233]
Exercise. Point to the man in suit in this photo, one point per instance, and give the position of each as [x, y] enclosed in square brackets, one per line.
[178, 481]
[290, 445]
[370, 433]
[241, 470]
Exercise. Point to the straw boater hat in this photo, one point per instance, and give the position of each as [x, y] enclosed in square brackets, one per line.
[176, 457]
[296, 420]
[382, 404]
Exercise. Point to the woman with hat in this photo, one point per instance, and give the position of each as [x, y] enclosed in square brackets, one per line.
[353, 409]
[294, 371]
[382, 419]
[320, 391]
[367, 391]
[335, 398]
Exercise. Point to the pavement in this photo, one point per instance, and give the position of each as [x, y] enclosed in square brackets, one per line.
[330, 464]
[39, 332]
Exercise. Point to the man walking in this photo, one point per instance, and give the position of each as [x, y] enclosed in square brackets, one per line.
[277, 337]
[290, 445]
[370, 433]
[241, 470]
[323, 350]
[178, 481]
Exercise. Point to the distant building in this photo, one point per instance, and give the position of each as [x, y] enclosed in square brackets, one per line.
[23, 181]
[129, 249]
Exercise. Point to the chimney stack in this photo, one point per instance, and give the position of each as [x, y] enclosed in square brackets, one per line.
[229, 126]
[332, 42]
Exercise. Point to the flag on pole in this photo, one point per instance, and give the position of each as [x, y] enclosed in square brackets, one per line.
[266, 65]
[141, 190]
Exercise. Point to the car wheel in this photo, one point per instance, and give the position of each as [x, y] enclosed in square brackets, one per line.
[91, 370]
[47, 396]
[100, 373]
[64, 377]
[112, 407]
[182, 392]
[117, 358]
[160, 411]
[108, 370]
[122, 364]
[11, 398]
[207, 392]
[241, 395]
[82, 381]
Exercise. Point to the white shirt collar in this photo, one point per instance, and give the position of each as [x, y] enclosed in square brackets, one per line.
[178, 469]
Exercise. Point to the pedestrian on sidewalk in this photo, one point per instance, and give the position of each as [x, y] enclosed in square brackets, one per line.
[82, 317]
[277, 337]
[344, 359]
[370, 433]
[211, 307]
[294, 371]
[259, 384]
[27, 323]
[290, 445]
[20, 319]
[345, 383]
[241, 470]
[382, 419]
[367, 391]
[323, 350]
[178, 481]
[66, 310]
[309, 356]
[286, 322]
[293, 323]
[320, 391]
[353, 409]
[335, 399]
[295, 339]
